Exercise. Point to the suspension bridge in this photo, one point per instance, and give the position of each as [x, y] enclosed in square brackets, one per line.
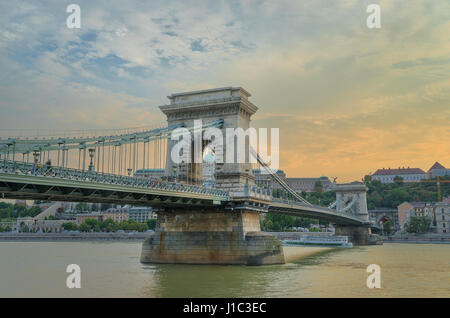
[197, 223]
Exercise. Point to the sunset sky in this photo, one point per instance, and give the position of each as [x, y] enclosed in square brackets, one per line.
[347, 99]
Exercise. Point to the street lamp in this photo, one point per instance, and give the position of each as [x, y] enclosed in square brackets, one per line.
[129, 171]
[175, 173]
[91, 155]
[36, 156]
[246, 186]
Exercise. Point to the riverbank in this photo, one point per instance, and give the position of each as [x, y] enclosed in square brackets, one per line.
[295, 253]
[140, 236]
[120, 236]
[431, 238]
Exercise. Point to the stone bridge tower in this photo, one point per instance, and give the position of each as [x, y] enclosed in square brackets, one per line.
[229, 104]
[221, 234]
[351, 199]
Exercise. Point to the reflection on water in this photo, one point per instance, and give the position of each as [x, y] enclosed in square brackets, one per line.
[112, 269]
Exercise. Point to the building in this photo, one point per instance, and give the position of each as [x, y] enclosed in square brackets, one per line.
[443, 217]
[408, 209]
[308, 184]
[21, 202]
[82, 217]
[263, 179]
[150, 173]
[141, 214]
[116, 216]
[408, 174]
[39, 225]
[380, 216]
[438, 170]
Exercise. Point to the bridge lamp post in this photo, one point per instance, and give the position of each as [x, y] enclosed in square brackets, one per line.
[25, 153]
[36, 159]
[91, 156]
[129, 171]
[175, 173]
[246, 186]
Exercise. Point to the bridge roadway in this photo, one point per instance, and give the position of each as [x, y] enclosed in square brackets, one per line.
[25, 181]
[20, 180]
[313, 211]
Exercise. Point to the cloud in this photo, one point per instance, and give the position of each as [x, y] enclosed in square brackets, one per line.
[347, 99]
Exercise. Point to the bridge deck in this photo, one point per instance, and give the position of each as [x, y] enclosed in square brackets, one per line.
[24, 181]
[19, 180]
[312, 211]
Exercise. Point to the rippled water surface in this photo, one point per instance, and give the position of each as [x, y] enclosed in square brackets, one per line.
[112, 269]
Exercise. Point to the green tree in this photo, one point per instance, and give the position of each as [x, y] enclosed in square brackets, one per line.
[418, 224]
[318, 186]
[81, 206]
[388, 228]
[34, 211]
[395, 197]
[109, 225]
[69, 226]
[398, 180]
[151, 223]
[84, 227]
[142, 227]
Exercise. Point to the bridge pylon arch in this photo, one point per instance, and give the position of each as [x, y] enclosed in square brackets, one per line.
[227, 233]
[229, 104]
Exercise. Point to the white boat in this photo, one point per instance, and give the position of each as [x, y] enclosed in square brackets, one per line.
[339, 241]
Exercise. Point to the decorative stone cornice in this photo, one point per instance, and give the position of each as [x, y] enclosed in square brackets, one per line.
[209, 103]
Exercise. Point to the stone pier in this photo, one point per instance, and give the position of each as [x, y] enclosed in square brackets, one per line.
[351, 199]
[358, 235]
[211, 237]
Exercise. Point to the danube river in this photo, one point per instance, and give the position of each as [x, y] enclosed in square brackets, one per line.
[112, 269]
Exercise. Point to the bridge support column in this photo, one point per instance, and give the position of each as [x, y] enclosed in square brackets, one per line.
[357, 234]
[211, 237]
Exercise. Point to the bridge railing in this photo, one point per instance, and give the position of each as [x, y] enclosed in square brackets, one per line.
[30, 169]
[325, 209]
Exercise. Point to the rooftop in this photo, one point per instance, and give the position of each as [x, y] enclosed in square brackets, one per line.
[398, 171]
[436, 165]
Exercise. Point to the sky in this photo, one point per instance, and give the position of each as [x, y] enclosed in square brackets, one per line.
[347, 99]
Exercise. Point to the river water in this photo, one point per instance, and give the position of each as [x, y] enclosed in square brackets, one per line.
[112, 269]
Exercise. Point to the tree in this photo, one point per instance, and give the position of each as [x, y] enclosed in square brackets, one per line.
[24, 229]
[398, 180]
[84, 227]
[142, 227]
[418, 224]
[318, 186]
[5, 228]
[34, 211]
[388, 228]
[81, 206]
[151, 223]
[69, 226]
[395, 197]
[109, 225]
